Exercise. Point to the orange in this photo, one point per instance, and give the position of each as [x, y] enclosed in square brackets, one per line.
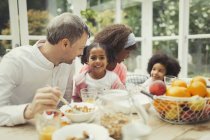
[159, 105]
[177, 92]
[179, 83]
[208, 92]
[199, 78]
[163, 105]
[197, 88]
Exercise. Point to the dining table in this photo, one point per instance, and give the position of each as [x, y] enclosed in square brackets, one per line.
[160, 130]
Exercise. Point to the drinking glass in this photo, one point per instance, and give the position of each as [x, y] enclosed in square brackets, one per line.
[47, 123]
[168, 79]
[88, 95]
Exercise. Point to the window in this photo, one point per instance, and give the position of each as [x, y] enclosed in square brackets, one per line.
[39, 13]
[179, 28]
[9, 37]
[159, 26]
[199, 38]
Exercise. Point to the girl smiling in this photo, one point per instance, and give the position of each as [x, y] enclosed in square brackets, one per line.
[97, 76]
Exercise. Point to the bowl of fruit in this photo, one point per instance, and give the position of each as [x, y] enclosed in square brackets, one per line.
[182, 102]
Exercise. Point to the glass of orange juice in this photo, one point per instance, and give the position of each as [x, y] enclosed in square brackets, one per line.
[88, 95]
[47, 123]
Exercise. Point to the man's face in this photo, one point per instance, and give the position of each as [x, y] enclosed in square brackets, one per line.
[75, 49]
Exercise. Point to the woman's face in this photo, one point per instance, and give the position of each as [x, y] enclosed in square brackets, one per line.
[122, 55]
[158, 71]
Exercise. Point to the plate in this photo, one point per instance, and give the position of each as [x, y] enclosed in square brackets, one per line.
[76, 130]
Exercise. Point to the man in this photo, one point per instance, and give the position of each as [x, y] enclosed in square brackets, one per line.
[32, 78]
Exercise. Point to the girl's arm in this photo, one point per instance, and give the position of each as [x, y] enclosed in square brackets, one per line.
[76, 95]
[79, 84]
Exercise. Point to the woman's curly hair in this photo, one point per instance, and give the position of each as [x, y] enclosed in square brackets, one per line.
[172, 65]
[114, 37]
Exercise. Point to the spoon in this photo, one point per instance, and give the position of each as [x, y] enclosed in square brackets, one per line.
[63, 100]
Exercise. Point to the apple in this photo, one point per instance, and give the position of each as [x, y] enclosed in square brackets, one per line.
[157, 87]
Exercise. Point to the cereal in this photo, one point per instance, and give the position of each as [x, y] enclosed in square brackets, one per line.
[79, 109]
[114, 123]
[84, 137]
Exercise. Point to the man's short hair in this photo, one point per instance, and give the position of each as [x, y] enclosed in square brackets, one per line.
[67, 26]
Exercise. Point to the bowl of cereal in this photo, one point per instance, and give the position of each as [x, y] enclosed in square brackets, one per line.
[79, 112]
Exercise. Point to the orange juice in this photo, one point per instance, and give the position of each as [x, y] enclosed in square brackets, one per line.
[90, 100]
[46, 133]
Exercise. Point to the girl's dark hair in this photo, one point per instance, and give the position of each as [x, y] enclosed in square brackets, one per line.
[172, 65]
[87, 49]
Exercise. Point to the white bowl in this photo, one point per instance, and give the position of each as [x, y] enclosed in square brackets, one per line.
[76, 130]
[79, 116]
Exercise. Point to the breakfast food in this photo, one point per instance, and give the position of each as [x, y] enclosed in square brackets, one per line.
[177, 91]
[114, 123]
[157, 87]
[179, 83]
[85, 136]
[181, 111]
[79, 109]
[184, 102]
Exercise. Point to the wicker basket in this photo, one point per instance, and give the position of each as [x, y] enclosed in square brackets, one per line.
[182, 110]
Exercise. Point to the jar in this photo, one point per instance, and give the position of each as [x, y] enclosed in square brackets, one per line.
[117, 109]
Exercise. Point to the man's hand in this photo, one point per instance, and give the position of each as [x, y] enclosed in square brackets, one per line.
[45, 98]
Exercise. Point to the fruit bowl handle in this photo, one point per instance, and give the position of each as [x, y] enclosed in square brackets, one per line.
[147, 94]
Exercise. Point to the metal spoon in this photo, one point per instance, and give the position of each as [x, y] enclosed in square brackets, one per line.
[63, 100]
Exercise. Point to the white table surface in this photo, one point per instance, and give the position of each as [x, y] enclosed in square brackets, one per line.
[160, 130]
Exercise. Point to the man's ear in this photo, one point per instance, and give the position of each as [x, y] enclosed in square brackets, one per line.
[65, 42]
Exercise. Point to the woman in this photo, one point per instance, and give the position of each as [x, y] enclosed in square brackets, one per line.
[120, 41]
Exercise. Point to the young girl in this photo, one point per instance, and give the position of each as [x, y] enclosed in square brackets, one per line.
[97, 77]
[160, 65]
[119, 40]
